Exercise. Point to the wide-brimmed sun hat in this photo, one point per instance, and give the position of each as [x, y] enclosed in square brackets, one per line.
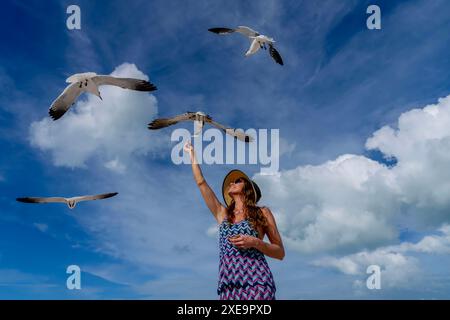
[232, 176]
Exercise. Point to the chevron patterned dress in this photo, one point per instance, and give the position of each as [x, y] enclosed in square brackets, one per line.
[243, 273]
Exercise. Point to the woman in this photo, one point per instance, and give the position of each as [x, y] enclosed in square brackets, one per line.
[243, 271]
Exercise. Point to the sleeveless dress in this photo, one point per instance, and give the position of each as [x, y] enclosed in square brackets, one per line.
[243, 273]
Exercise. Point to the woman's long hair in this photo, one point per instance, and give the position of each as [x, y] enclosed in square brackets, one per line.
[253, 212]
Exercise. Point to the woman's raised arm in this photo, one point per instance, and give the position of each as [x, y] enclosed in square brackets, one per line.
[214, 205]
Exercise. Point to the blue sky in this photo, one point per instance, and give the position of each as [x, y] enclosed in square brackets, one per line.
[349, 194]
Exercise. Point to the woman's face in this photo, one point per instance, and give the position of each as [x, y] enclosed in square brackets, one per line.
[236, 187]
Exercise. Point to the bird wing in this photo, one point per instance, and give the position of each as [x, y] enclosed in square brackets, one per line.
[65, 100]
[237, 134]
[126, 83]
[275, 55]
[165, 122]
[94, 197]
[42, 200]
[221, 30]
[254, 46]
[80, 76]
[246, 31]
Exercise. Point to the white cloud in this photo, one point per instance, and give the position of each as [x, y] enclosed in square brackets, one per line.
[421, 145]
[335, 205]
[111, 130]
[397, 268]
[115, 165]
[353, 203]
[435, 244]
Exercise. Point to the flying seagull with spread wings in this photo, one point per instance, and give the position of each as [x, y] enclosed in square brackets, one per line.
[71, 202]
[258, 41]
[200, 118]
[89, 82]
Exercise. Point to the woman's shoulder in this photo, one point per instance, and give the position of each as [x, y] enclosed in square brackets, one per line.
[267, 213]
[265, 210]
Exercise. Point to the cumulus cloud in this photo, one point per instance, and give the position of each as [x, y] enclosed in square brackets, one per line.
[111, 130]
[353, 203]
[421, 145]
[435, 244]
[336, 205]
[397, 268]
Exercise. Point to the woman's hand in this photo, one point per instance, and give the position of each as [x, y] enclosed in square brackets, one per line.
[191, 151]
[244, 241]
[189, 148]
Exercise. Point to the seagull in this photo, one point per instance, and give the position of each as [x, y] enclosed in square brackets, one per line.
[200, 119]
[259, 41]
[71, 202]
[89, 82]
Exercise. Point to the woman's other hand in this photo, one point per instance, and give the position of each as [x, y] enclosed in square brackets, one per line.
[244, 241]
